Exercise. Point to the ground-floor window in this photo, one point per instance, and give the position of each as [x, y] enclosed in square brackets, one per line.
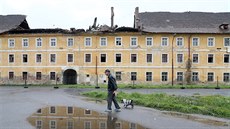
[24, 75]
[195, 76]
[164, 76]
[52, 75]
[179, 76]
[148, 76]
[210, 77]
[11, 75]
[133, 76]
[226, 77]
[118, 76]
[38, 75]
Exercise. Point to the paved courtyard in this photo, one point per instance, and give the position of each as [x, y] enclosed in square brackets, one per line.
[17, 104]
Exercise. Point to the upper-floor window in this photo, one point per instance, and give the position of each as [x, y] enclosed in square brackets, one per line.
[227, 42]
[25, 42]
[180, 58]
[180, 41]
[226, 58]
[53, 42]
[11, 58]
[38, 58]
[211, 42]
[88, 41]
[70, 42]
[52, 58]
[11, 43]
[103, 41]
[38, 42]
[118, 41]
[210, 58]
[149, 58]
[164, 58]
[118, 58]
[70, 58]
[133, 58]
[133, 41]
[25, 58]
[195, 42]
[149, 41]
[70, 110]
[87, 57]
[103, 58]
[195, 58]
[164, 41]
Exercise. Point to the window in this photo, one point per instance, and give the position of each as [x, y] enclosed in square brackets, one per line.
[11, 43]
[226, 58]
[148, 76]
[118, 57]
[133, 126]
[103, 58]
[70, 125]
[195, 76]
[87, 57]
[149, 58]
[195, 42]
[180, 58]
[195, 58]
[70, 58]
[117, 125]
[226, 42]
[118, 41]
[11, 58]
[133, 41]
[11, 75]
[180, 76]
[70, 110]
[180, 41]
[88, 41]
[24, 75]
[38, 75]
[70, 42]
[39, 111]
[38, 58]
[87, 112]
[102, 125]
[211, 42]
[52, 75]
[87, 125]
[25, 42]
[210, 77]
[210, 58]
[118, 76]
[133, 58]
[226, 77]
[52, 58]
[38, 42]
[133, 76]
[164, 58]
[53, 42]
[103, 41]
[38, 124]
[149, 41]
[52, 110]
[164, 41]
[164, 76]
[25, 58]
[52, 124]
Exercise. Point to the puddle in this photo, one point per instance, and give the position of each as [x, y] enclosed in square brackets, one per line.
[64, 117]
[197, 119]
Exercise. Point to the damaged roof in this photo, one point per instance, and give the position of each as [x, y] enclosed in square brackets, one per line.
[12, 22]
[187, 22]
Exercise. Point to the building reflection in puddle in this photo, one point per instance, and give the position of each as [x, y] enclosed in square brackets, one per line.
[62, 117]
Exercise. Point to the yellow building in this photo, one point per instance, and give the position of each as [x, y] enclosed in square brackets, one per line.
[190, 47]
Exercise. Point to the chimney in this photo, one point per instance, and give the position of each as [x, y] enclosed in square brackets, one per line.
[136, 18]
[112, 17]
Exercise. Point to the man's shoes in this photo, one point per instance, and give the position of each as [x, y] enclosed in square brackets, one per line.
[117, 110]
[108, 110]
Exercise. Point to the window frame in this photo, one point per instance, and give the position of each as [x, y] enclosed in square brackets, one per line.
[131, 57]
[68, 58]
[131, 76]
[68, 39]
[178, 76]
[146, 41]
[104, 41]
[181, 58]
[162, 58]
[90, 57]
[116, 57]
[23, 45]
[36, 61]
[120, 75]
[50, 41]
[131, 41]
[224, 41]
[27, 58]
[166, 79]
[213, 60]
[105, 57]
[213, 78]
[228, 77]
[86, 43]
[36, 41]
[147, 77]
[147, 61]
[50, 76]
[213, 41]
[36, 74]
[182, 41]
[162, 45]
[9, 75]
[198, 60]
[116, 41]
[50, 57]
[198, 77]
[198, 41]
[224, 58]
[9, 43]
[13, 58]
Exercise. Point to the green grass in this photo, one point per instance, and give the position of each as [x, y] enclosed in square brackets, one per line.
[218, 106]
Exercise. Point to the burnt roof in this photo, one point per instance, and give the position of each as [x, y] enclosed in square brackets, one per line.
[38, 31]
[187, 22]
[12, 22]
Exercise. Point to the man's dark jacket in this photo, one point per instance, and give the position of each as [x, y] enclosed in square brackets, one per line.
[112, 85]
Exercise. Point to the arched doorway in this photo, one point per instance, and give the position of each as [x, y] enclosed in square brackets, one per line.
[70, 76]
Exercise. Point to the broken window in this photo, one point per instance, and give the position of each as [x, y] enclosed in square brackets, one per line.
[133, 76]
[149, 41]
[164, 76]
[149, 58]
[88, 41]
[70, 58]
[118, 41]
[210, 77]
[52, 58]
[11, 58]
[133, 41]
[38, 75]
[164, 58]
[87, 57]
[195, 76]
[179, 41]
[226, 77]
[210, 58]
[24, 75]
[226, 58]
[25, 58]
[11, 75]
[38, 58]
[118, 57]
[25, 42]
[148, 76]
[179, 58]
[70, 42]
[164, 41]
[179, 76]
[103, 57]
[211, 42]
[195, 41]
[195, 58]
[118, 76]
[103, 41]
[226, 42]
[11, 43]
[133, 58]
[53, 42]
[38, 42]
[52, 75]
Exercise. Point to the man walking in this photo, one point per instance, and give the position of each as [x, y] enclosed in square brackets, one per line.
[112, 87]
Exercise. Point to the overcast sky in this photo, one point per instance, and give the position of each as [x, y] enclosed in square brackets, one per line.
[80, 13]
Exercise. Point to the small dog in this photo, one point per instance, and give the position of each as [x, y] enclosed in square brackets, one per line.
[128, 103]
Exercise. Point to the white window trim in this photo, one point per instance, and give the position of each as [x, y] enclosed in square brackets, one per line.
[35, 75]
[36, 42]
[147, 58]
[167, 76]
[224, 43]
[146, 41]
[23, 43]
[198, 58]
[53, 80]
[198, 75]
[162, 41]
[106, 58]
[55, 124]
[146, 76]
[36, 58]
[9, 59]
[131, 41]
[198, 41]
[116, 41]
[14, 74]
[131, 58]
[214, 77]
[182, 41]
[91, 41]
[182, 75]
[106, 41]
[68, 122]
[214, 40]
[9, 43]
[131, 75]
[67, 41]
[182, 58]
[67, 110]
[55, 41]
[67, 58]
[229, 58]
[167, 58]
[88, 114]
[115, 58]
[104, 123]
[221, 80]
[213, 58]
[90, 59]
[88, 122]
[50, 58]
[37, 122]
[27, 58]
[52, 106]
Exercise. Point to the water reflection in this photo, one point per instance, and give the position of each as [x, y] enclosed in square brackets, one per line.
[62, 117]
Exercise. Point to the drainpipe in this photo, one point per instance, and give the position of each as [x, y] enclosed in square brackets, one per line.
[172, 59]
[189, 64]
